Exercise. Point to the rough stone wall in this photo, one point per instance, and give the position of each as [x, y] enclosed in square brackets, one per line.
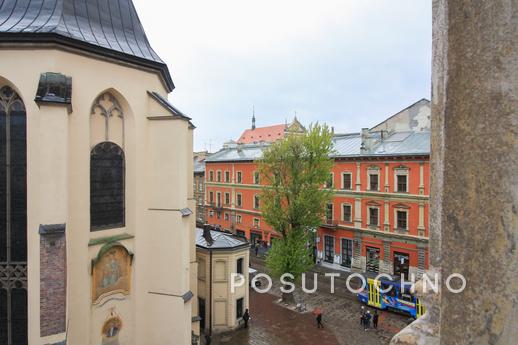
[479, 221]
[474, 199]
[53, 281]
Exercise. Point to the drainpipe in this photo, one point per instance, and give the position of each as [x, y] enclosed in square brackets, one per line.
[210, 294]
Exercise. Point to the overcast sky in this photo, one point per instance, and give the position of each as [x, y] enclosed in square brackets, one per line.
[349, 63]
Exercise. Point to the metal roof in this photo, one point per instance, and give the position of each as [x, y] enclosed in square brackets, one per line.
[344, 145]
[412, 144]
[108, 27]
[238, 152]
[199, 166]
[221, 240]
[348, 144]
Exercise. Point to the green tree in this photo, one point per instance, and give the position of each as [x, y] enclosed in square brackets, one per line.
[293, 200]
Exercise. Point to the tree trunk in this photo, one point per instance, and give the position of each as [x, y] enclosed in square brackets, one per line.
[288, 298]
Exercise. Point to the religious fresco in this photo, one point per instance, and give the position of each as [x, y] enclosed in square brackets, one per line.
[110, 331]
[111, 272]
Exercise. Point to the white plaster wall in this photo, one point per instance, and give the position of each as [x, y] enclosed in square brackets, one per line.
[158, 157]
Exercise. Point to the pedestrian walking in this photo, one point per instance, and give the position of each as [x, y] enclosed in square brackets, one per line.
[207, 339]
[319, 321]
[362, 317]
[246, 317]
[256, 249]
[375, 319]
[368, 320]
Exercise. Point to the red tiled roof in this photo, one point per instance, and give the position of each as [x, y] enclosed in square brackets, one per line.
[268, 134]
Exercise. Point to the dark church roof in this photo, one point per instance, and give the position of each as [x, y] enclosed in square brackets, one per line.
[108, 27]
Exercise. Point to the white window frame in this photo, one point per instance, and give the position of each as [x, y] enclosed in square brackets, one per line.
[257, 177]
[240, 175]
[219, 202]
[347, 173]
[227, 172]
[343, 213]
[211, 175]
[332, 211]
[341, 250]
[239, 200]
[369, 207]
[258, 226]
[373, 171]
[401, 172]
[239, 219]
[226, 216]
[211, 197]
[218, 176]
[229, 199]
[400, 209]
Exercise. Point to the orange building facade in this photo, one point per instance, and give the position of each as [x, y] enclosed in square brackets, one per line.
[377, 220]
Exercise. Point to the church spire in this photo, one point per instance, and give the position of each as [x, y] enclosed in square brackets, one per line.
[253, 117]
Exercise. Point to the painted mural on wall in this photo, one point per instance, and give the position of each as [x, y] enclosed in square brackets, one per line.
[111, 330]
[111, 272]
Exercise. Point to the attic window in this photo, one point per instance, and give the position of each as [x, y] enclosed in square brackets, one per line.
[54, 88]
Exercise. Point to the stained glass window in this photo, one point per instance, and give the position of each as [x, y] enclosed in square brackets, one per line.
[106, 186]
[13, 219]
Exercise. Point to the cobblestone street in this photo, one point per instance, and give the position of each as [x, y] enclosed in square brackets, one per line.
[274, 324]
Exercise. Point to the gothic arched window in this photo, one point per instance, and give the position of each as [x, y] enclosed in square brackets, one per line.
[106, 186]
[13, 218]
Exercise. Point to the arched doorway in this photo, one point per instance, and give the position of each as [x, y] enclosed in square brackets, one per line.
[13, 219]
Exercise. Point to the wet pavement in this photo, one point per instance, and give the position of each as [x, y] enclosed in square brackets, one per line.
[275, 324]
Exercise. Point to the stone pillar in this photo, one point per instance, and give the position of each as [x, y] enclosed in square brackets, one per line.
[358, 213]
[47, 203]
[386, 222]
[357, 252]
[358, 177]
[387, 259]
[421, 178]
[387, 185]
[474, 199]
[420, 227]
[421, 257]
[476, 112]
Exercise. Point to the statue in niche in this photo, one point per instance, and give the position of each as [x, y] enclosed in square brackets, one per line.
[111, 272]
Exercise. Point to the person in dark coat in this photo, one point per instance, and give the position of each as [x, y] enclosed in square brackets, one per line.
[319, 321]
[246, 317]
[207, 339]
[256, 249]
[368, 320]
[375, 319]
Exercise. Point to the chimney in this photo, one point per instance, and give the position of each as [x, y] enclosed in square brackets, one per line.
[366, 141]
[206, 234]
